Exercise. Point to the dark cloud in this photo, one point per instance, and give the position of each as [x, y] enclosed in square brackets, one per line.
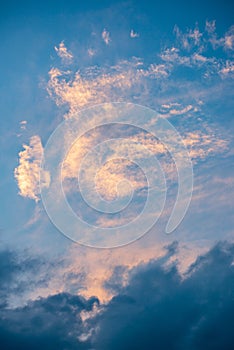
[158, 309]
[21, 273]
[48, 323]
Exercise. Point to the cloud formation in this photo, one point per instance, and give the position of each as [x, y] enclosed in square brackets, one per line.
[134, 34]
[50, 323]
[159, 310]
[133, 80]
[154, 308]
[27, 172]
[106, 36]
[63, 53]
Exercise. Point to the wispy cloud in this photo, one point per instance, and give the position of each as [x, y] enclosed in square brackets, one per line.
[133, 80]
[96, 85]
[23, 124]
[178, 110]
[194, 39]
[228, 70]
[91, 52]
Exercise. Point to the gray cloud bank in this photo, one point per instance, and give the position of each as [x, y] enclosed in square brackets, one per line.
[157, 309]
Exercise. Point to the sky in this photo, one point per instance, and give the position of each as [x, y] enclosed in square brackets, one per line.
[117, 187]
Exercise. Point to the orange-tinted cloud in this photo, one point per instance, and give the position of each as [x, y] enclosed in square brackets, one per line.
[63, 53]
[28, 171]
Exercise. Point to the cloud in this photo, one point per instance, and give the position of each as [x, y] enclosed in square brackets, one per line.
[91, 52]
[189, 39]
[134, 34]
[135, 81]
[201, 145]
[154, 306]
[63, 53]
[228, 70]
[21, 274]
[106, 37]
[229, 39]
[210, 26]
[181, 111]
[99, 84]
[193, 39]
[92, 276]
[158, 309]
[23, 124]
[106, 174]
[28, 170]
[49, 323]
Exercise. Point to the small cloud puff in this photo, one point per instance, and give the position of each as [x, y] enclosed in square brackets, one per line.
[134, 34]
[23, 124]
[63, 53]
[106, 37]
[228, 69]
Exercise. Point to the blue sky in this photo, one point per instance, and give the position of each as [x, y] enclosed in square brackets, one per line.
[59, 58]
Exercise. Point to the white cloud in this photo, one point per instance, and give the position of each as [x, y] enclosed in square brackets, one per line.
[23, 124]
[199, 58]
[181, 111]
[27, 172]
[134, 34]
[106, 37]
[63, 53]
[128, 81]
[97, 85]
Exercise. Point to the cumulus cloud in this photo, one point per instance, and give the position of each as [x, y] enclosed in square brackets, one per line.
[50, 323]
[153, 307]
[106, 36]
[159, 310]
[28, 170]
[63, 53]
